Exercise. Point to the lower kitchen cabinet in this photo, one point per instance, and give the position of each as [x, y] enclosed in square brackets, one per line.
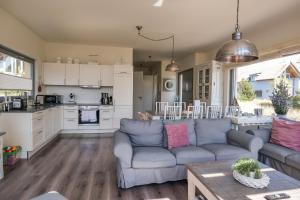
[119, 113]
[70, 117]
[106, 117]
[31, 130]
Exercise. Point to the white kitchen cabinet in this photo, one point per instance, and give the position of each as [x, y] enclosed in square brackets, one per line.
[123, 69]
[90, 75]
[107, 75]
[119, 113]
[48, 123]
[54, 73]
[72, 74]
[106, 117]
[123, 89]
[70, 117]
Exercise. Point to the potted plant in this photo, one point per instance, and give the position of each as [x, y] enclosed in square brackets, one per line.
[280, 98]
[247, 172]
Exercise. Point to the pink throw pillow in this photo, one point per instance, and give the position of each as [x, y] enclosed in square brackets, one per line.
[177, 135]
[286, 133]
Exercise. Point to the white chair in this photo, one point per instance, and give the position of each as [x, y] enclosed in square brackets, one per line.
[160, 107]
[214, 112]
[182, 104]
[198, 103]
[195, 112]
[232, 111]
[173, 112]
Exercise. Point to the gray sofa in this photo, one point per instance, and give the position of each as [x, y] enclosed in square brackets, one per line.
[143, 156]
[281, 158]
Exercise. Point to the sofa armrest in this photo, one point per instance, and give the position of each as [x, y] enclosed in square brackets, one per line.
[246, 141]
[264, 134]
[123, 149]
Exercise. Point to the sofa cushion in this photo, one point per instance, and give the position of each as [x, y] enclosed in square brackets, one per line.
[286, 133]
[226, 151]
[191, 130]
[143, 133]
[192, 154]
[209, 131]
[276, 151]
[177, 135]
[293, 160]
[152, 157]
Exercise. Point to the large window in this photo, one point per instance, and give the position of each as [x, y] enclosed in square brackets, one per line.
[255, 83]
[16, 73]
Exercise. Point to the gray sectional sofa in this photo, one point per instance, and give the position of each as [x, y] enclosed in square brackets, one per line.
[281, 158]
[143, 157]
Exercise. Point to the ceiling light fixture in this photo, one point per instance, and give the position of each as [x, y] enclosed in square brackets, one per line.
[237, 50]
[158, 3]
[172, 67]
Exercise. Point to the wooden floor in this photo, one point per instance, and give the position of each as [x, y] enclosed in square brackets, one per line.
[79, 168]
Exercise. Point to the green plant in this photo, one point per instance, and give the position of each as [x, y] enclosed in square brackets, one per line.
[245, 91]
[280, 97]
[245, 166]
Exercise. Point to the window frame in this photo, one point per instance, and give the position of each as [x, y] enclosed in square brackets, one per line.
[20, 56]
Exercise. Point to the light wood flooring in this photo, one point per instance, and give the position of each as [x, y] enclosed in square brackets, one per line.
[79, 168]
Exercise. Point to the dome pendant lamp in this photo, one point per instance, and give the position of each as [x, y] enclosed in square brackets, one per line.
[237, 50]
[172, 67]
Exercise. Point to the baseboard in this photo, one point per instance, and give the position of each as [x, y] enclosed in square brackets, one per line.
[86, 135]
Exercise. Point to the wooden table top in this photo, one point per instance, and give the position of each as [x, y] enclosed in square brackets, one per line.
[218, 179]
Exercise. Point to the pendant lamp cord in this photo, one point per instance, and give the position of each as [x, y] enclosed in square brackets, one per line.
[237, 26]
[161, 39]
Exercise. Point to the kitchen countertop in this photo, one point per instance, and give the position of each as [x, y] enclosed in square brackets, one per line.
[32, 109]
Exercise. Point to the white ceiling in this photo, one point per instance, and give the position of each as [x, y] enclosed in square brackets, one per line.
[198, 25]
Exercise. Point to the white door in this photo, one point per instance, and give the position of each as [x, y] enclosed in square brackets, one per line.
[54, 73]
[123, 89]
[72, 74]
[89, 75]
[121, 112]
[107, 75]
[138, 93]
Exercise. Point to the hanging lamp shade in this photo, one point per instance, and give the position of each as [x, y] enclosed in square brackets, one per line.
[172, 67]
[237, 50]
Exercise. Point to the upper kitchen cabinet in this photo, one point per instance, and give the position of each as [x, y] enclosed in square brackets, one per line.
[107, 75]
[54, 73]
[123, 69]
[72, 74]
[90, 75]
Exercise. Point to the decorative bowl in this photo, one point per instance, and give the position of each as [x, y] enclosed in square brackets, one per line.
[252, 182]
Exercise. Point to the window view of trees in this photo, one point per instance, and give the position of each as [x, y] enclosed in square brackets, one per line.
[258, 84]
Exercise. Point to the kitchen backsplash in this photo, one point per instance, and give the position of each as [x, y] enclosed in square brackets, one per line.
[83, 95]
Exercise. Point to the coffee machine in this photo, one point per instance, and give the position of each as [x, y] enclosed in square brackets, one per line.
[105, 99]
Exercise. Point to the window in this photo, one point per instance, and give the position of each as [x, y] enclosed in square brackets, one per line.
[16, 72]
[258, 93]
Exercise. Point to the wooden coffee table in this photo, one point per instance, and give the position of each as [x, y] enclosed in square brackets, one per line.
[215, 182]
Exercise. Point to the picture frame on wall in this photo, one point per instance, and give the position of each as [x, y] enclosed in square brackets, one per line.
[169, 85]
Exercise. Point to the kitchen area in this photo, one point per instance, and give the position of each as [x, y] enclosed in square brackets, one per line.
[73, 99]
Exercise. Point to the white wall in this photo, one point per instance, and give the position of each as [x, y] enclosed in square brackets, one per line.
[19, 37]
[106, 55]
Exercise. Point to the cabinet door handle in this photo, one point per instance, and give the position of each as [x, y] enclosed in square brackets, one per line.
[105, 111]
[71, 111]
[105, 119]
[40, 132]
[40, 119]
[70, 120]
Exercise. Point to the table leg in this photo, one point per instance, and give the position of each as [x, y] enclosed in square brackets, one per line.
[191, 190]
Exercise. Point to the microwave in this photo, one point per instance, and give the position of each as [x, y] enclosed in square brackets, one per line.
[49, 99]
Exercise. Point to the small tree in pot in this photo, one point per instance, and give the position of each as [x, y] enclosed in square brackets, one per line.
[280, 98]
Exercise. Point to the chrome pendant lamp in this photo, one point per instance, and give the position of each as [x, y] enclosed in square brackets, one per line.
[237, 50]
[172, 67]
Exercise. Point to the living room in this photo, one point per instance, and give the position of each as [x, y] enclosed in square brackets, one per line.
[152, 99]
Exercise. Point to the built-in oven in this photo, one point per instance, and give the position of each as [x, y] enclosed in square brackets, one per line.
[88, 115]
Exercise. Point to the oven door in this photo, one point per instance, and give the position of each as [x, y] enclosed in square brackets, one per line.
[88, 115]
